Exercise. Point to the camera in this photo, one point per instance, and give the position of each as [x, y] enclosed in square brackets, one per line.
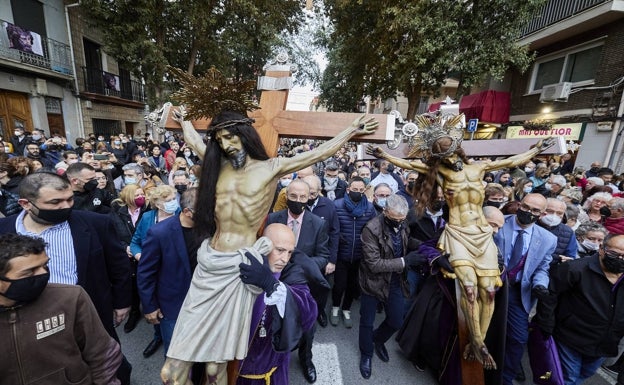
[100, 157]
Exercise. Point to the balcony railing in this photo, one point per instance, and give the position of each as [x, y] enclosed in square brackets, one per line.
[105, 83]
[54, 55]
[555, 11]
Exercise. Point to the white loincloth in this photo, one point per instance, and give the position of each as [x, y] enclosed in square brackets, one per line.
[214, 322]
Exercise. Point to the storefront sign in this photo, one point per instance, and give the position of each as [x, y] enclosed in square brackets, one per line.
[571, 131]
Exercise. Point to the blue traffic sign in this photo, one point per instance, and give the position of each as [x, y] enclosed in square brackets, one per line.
[472, 125]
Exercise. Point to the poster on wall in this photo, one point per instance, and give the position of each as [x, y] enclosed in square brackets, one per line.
[111, 81]
[22, 39]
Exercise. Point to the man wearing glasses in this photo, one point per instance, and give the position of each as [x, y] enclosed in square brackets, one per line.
[586, 311]
[527, 252]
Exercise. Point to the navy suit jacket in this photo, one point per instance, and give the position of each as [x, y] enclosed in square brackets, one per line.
[164, 272]
[313, 238]
[326, 210]
[103, 266]
[535, 271]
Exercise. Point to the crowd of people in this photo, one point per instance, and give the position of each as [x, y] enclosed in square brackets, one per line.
[115, 216]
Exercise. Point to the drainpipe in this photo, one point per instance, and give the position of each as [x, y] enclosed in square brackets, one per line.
[73, 60]
[618, 128]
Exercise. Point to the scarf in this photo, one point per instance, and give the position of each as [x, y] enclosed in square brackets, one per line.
[357, 209]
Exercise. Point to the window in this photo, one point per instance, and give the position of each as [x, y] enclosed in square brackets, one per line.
[576, 66]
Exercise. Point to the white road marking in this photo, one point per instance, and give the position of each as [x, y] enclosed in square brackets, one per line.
[327, 363]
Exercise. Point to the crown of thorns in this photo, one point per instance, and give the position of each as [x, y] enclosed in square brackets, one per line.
[207, 96]
[432, 128]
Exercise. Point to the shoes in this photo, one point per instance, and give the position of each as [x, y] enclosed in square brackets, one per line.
[365, 367]
[520, 376]
[382, 352]
[131, 323]
[309, 371]
[346, 317]
[333, 317]
[152, 348]
[322, 319]
[613, 370]
[420, 366]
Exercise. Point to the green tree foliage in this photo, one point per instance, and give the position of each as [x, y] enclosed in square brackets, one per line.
[412, 46]
[236, 36]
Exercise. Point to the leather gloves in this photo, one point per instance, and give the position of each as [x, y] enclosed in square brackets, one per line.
[414, 259]
[442, 262]
[257, 274]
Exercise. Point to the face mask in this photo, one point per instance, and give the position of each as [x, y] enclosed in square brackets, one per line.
[181, 188]
[548, 186]
[139, 201]
[605, 211]
[528, 170]
[100, 139]
[527, 189]
[550, 220]
[17, 133]
[129, 180]
[187, 154]
[594, 169]
[330, 180]
[613, 264]
[7, 150]
[437, 206]
[27, 289]
[171, 206]
[311, 201]
[117, 142]
[493, 204]
[392, 223]
[36, 137]
[411, 184]
[390, 167]
[285, 182]
[355, 196]
[55, 216]
[90, 185]
[295, 207]
[192, 178]
[381, 202]
[72, 161]
[525, 217]
[589, 245]
[366, 180]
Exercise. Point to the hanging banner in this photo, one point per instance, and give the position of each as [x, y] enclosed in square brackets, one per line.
[570, 131]
[23, 39]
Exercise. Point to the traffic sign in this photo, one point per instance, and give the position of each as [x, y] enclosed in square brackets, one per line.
[472, 125]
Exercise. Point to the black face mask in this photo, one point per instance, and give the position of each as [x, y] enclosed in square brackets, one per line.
[311, 201]
[55, 216]
[411, 184]
[437, 206]
[525, 217]
[27, 289]
[390, 167]
[605, 211]
[181, 188]
[90, 185]
[493, 204]
[613, 264]
[295, 207]
[355, 196]
[392, 223]
[594, 169]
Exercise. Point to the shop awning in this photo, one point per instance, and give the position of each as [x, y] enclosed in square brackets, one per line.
[487, 106]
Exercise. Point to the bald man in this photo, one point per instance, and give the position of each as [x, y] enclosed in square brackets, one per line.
[286, 309]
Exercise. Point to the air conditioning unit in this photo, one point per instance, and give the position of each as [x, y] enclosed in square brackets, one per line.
[556, 92]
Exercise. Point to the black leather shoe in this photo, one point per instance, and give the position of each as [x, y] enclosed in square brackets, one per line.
[520, 376]
[152, 348]
[131, 323]
[365, 367]
[382, 352]
[322, 319]
[309, 372]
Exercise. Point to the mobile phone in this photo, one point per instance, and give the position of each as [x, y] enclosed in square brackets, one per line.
[100, 157]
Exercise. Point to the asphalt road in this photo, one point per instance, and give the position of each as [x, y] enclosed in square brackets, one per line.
[336, 357]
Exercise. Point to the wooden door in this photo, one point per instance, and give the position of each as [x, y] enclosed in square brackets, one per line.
[14, 112]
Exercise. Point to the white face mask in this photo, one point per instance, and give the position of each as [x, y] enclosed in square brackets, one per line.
[589, 245]
[550, 220]
[527, 189]
[285, 182]
[528, 169]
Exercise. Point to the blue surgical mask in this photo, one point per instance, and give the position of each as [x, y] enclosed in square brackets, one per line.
[171, 206]
[527, 189]
[366, 180]
[129, 180]
[381, 202]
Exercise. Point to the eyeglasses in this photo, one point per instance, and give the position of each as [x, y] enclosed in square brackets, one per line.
[612, 254]
[532, 210]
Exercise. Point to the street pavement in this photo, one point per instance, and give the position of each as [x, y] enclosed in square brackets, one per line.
[336, 357]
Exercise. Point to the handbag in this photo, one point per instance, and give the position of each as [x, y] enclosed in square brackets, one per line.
[544, 358]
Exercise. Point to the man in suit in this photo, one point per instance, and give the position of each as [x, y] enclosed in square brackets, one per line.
[312, 239]
[82, 246]
[166, 267]
[527, 252]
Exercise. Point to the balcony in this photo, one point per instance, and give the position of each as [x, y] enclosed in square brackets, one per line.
[560, 19]
[111, 85]
[46, 56]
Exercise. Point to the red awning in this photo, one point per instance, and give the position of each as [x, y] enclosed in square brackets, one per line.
[487, 106]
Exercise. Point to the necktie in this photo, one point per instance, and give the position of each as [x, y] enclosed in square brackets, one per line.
[295, 228]
[516, 252]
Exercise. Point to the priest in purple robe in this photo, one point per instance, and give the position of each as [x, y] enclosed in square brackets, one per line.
[281, 315]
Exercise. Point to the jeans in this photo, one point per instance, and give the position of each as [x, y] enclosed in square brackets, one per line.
[517, 334]
[576, 366]
[166, 331]
[394, 318]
